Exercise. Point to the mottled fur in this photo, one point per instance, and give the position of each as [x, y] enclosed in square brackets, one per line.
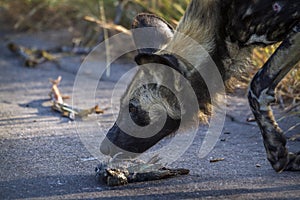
[227, 30]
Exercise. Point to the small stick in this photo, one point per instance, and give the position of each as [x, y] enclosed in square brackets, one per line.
[32, 57]
[66, 110]
[55, 91]
[108, 25]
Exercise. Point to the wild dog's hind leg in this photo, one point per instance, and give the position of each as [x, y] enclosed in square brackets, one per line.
[261, 95]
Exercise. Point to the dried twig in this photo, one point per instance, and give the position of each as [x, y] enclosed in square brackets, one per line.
[32, 57]
[108, 25]
[67, 110]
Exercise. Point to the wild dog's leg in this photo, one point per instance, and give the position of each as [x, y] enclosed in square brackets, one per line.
[261, 95]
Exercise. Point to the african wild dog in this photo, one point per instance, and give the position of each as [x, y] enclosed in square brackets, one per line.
[228, 30]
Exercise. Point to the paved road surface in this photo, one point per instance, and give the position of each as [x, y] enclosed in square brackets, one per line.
[43, 156]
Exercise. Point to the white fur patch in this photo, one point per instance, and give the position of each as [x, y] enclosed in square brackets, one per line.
[249, 11]
[259, 39]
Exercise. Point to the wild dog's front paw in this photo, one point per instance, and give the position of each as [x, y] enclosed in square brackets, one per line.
[293, 162]
[277, 153]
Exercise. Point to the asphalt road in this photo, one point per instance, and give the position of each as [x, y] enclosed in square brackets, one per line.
[44, 156]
